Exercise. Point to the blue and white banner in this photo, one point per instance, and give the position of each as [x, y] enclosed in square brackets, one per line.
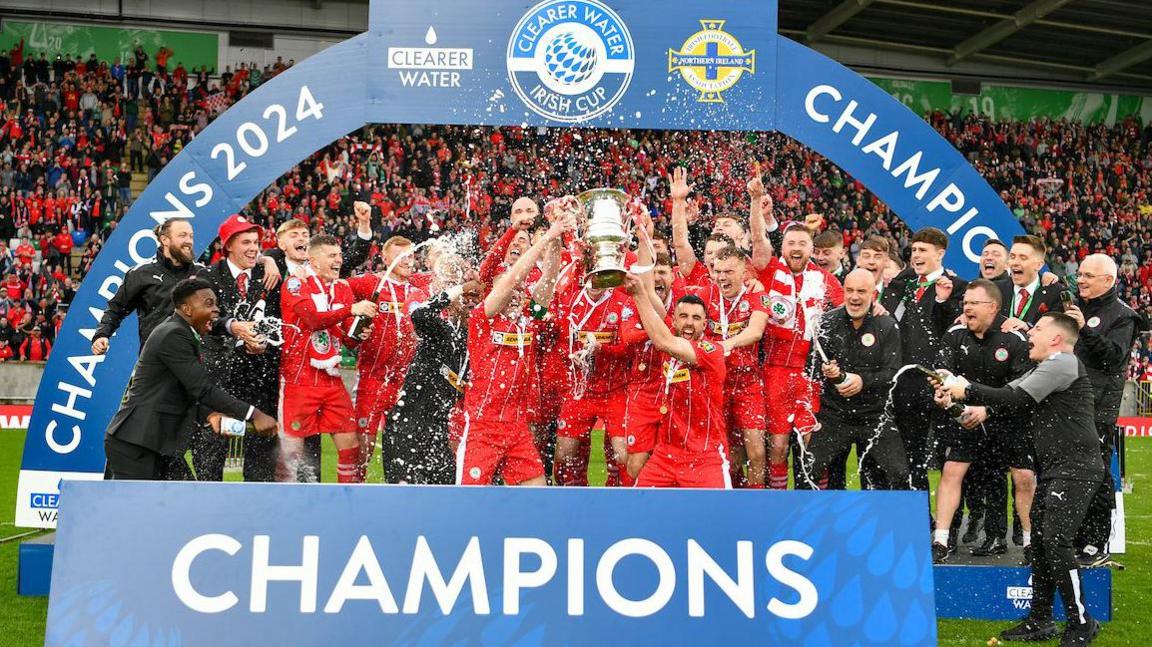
[246, 564]
[693, 64]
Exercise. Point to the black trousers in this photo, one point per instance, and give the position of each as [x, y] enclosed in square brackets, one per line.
[836, 436]
[415, 449]
[913, 406]
[1057, 513]
[1097, 527]
[131, 462]
[210, 450]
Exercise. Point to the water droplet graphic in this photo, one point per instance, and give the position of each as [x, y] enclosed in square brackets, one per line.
[430, 36]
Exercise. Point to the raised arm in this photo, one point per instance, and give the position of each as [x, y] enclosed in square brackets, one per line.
[662, 338]
[679, 190]
[510, 280]
[758, 220]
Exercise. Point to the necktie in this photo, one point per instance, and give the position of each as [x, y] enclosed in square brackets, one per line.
[1023, 301]
[242, 285]
[921, 286]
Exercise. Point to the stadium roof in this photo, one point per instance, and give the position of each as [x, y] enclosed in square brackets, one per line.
[1106, 42]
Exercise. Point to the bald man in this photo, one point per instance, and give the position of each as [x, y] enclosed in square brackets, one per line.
[863, 352]
[1108, 328]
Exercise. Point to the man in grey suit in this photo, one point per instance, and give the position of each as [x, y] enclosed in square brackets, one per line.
[170, 384]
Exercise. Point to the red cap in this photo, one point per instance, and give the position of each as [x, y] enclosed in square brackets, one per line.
[237, 224]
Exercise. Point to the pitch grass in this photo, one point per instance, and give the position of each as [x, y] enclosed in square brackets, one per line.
[22, 619]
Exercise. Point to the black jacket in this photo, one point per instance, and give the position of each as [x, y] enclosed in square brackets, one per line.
[168, 382]
[441, 360]
[924, 322]
[1046, 299]
[1105, 346]
[146, 291]
[995, 360]
[252, 378]
[871, 351]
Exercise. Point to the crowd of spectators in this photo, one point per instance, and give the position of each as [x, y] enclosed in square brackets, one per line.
[74, 131]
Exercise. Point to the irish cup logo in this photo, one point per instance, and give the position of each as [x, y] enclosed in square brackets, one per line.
[570, 61]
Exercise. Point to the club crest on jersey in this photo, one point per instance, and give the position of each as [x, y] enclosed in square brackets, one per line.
[612, 318]
[744, 306]
[1001, 354]
[321, 341]
[780, 308]
[868, 339]
[1093, 322]
[293, 286]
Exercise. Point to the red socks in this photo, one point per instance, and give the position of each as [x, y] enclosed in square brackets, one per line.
[778, 475]
[348, 467]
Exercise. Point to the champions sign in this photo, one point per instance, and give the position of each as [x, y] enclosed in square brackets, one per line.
[413, 565]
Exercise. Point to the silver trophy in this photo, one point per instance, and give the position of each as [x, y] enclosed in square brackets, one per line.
[607, 232]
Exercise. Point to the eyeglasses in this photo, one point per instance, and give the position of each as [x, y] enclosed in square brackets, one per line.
[977, 303]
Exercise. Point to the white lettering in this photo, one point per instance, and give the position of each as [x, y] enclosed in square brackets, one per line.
[951, 198]
[50, 439]
[575, 577]
[74, 392]
[85, 365]
[134, 243]
[774, 560]
[179, 210]
[182, 568]
[741, 591]
[202, 188]
[912, 166]
[363, 559]
[424, 567]
[516, 579]
[848, 118]
[664, 567]
[810, 102]
[884, 148]
[110, 285]
[969, 252]
[305, 574]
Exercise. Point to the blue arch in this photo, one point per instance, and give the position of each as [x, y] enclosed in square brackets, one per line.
[335, 92]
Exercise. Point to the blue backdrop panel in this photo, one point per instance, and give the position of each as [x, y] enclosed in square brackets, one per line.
[1005, 593]
[167, 563]
[693, 65]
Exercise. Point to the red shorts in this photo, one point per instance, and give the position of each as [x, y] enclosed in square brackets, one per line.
[641, 423]
[792, 400]
[490, 448]
[373, 400]
[674, 467]
[744, 402]
[310, 410]
[578, 416]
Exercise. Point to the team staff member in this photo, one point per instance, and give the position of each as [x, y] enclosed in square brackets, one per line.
[498, 402]
[254, 377]
[1068, 465]
[863, 349]
[1025, 293]
[828, 253]
[925, 301]
[994, 260]
[147, 289]
[689, 448]
[990, 441]
[168, 383]
[417, 447]
[1108, 328]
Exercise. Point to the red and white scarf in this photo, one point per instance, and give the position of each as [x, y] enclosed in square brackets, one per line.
[783, 298]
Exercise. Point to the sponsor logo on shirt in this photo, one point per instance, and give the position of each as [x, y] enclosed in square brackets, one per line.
[511, 338]
[602, 336]
[733, 327]
[681, 375]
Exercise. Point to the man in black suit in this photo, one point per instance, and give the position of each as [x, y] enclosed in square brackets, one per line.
[168, 385]
[249, 372]
[1025, 296]
[994, 260]
[925, 300]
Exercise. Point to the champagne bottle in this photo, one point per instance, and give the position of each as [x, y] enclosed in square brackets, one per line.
[360, 322]
[234, 427]
[955, 410]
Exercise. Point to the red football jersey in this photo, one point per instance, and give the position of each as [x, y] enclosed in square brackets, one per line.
[728, 317]
[316, 317]
[579, 316]
[502, 364]
[392, 343]
[692, 401]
